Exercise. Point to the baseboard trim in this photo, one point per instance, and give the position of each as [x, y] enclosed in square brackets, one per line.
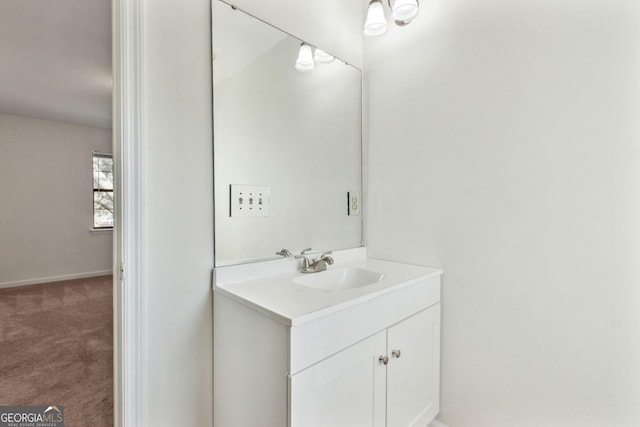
[436, 423]
[40, 280]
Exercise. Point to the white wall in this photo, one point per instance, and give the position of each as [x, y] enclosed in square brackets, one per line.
[179, 212]
[46, 201]
[505, 147]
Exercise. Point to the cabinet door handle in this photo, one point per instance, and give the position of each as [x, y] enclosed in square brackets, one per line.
[396, 354]
[383, 359]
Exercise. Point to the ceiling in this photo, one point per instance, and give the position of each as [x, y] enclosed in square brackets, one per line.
[55, 60]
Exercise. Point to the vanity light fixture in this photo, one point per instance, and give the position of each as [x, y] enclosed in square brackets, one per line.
[322, 57]
[402, 12]
[305, 58]
[376, 23]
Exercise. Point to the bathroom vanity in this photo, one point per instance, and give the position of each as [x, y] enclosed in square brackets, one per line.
[356, 345]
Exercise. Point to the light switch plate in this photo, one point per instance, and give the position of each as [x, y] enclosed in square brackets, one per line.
[354, 201]
[249, 200]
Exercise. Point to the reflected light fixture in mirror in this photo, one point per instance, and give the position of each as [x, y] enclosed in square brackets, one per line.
[305, 58]
[308, 56]
[402, 12]
[322, 57]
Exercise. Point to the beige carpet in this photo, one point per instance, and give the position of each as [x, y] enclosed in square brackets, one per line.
[56, 348]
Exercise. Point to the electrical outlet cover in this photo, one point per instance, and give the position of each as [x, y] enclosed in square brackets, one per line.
[249, 200]
[354, 202]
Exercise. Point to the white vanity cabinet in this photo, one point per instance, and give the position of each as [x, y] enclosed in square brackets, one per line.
[389, 379]
[290, 356]
[413, 371]
[347, 389]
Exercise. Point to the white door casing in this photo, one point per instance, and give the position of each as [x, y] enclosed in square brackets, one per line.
[128, 295]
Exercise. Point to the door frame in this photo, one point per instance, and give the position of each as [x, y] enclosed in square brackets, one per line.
[129, 230]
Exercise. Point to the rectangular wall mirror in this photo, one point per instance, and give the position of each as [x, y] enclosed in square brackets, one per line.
[287, 144]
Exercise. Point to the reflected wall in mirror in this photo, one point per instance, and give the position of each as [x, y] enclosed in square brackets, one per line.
[296, 135]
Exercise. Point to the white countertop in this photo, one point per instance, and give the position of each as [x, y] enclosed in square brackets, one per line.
[269, 286]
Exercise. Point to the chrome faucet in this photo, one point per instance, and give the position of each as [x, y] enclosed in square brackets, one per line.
[314, 266]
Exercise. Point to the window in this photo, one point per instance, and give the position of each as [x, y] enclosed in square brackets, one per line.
[102, 191]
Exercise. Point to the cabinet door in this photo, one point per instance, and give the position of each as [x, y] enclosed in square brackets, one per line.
[413, 376]
[345, 390]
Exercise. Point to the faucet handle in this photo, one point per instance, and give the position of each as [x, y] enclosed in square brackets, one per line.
[326, 253]
[304, 251]
[285, 253]
[327, 258]
[305, 260]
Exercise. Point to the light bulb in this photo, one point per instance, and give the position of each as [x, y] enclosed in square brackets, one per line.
[376, 24]
[305, 58]
[403, 11]
[322, 57]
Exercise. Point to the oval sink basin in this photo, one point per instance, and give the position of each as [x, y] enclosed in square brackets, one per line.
[338, 279]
